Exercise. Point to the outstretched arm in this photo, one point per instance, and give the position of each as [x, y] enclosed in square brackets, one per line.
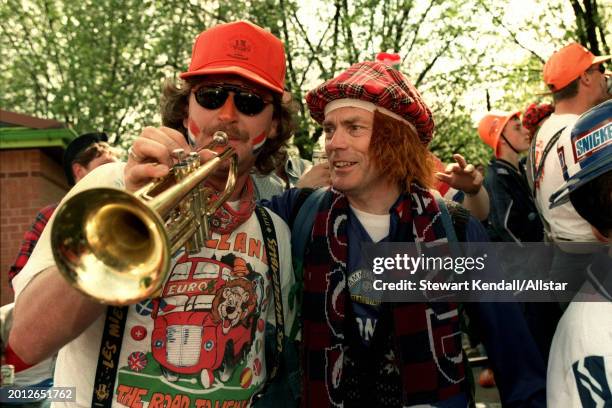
[463, 176]
[49, 313]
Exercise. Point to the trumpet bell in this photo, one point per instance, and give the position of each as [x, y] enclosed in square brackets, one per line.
[111, 246]
[115, 246]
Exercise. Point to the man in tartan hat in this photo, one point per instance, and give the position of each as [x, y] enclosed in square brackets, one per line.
[357, 351]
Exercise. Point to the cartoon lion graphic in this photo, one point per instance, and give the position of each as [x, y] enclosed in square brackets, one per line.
[234, 304]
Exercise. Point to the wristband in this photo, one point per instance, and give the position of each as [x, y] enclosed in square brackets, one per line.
[10, 357]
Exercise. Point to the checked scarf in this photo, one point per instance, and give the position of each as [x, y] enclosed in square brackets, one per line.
[226, 219]
[426, 337]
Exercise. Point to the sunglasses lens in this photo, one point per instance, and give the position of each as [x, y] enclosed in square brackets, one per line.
[211, 98]
[249, 103]
[246, 102]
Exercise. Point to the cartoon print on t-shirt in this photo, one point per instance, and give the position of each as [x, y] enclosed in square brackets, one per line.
[207, 335]
[208, 307]
[234, 304]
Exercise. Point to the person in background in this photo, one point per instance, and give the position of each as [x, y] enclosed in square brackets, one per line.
[82, 155]
[580, 364]
[576, 78]
[534, 115]
[513, 215]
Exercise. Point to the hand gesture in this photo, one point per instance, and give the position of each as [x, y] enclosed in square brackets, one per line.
[461, 176]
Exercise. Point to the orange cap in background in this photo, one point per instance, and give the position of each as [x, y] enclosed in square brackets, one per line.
[242, 49]
[492, 125]
[567, 64]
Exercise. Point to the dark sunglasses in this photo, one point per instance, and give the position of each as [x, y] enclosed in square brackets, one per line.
[246, 101]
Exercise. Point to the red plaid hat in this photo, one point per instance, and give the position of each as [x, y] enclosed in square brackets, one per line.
[380, 85]
[535, 114]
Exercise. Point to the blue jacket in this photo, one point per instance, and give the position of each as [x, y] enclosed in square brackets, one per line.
[513, 215]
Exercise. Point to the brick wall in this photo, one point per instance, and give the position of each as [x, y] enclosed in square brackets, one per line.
[29, 180]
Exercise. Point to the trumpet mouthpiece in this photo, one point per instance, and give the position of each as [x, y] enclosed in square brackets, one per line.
[220, 137]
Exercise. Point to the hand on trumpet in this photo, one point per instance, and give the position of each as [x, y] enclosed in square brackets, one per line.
[151, 155]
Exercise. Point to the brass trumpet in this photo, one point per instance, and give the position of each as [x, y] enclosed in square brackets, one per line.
[115, 246]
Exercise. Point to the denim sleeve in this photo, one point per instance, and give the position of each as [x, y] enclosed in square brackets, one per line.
[283, 204]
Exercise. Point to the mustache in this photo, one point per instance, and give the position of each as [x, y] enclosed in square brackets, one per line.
[233, 133]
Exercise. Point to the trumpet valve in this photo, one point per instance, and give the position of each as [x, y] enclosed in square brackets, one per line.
[179, 155]
[193, 160]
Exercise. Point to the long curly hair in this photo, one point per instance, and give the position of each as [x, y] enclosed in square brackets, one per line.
[174, 108]
[399, 153]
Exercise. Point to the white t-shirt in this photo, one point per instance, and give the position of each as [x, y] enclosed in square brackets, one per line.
[565, 223]
[580, 362]
[376, 225]
[202, 342]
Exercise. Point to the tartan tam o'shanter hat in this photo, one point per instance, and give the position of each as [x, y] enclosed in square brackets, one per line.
[374, 85]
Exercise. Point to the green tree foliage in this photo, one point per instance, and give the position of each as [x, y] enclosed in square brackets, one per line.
[99, 64]
[89, 64]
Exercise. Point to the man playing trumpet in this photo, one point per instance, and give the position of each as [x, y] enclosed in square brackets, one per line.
[201, 342]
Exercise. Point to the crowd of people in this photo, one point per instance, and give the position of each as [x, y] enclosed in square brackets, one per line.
[268, 312]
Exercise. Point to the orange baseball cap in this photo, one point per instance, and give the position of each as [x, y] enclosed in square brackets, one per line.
[492, 125]
[567, 64]
[239, 48]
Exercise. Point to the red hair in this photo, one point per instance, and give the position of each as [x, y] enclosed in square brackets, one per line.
[398, 152]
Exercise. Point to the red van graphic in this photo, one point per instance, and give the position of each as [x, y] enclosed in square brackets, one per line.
[206, 321]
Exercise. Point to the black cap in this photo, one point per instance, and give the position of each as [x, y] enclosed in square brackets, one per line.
[75, 147]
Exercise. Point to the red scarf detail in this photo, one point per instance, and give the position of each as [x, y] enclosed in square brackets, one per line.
[226, 219]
